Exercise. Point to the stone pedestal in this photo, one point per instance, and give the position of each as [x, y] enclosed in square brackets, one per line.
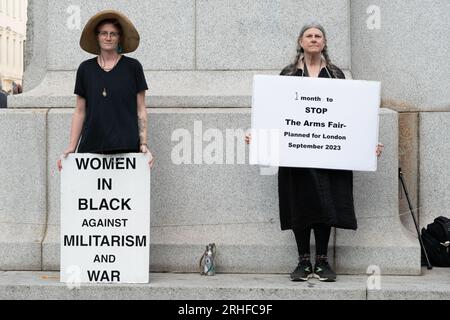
[199, 58]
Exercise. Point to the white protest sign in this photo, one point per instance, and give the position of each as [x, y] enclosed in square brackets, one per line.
[315, 123]
[105, 218]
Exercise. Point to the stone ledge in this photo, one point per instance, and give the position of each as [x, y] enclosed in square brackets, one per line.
[250, 248]
[167, 89]
[433, 284]
[434, 167]
[22, 195]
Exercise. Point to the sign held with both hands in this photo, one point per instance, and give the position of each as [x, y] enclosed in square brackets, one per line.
[315, 123]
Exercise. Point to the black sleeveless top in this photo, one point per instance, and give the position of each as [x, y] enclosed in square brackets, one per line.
[111, 122]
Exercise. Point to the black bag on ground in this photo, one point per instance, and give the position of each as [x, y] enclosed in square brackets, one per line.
[436, 240]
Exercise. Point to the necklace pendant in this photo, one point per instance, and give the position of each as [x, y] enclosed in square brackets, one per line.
[104, 92]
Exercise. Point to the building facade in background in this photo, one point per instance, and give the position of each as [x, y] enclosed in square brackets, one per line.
[13, 19]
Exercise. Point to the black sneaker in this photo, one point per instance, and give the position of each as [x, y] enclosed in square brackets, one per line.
[323, 272]
[303, 272]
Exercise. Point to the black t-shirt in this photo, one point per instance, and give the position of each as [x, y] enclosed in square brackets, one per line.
[111, 123]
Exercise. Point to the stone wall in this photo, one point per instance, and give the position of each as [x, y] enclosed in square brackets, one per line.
[199, 57]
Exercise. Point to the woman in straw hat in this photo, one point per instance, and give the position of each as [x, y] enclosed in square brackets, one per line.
[110, 114]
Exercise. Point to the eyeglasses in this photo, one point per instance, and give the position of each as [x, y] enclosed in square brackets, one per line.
[104, 34]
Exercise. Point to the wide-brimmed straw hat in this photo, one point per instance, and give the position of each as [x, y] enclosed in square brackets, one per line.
[129, 40]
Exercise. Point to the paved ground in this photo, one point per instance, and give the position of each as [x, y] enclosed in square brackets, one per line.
[433, 284]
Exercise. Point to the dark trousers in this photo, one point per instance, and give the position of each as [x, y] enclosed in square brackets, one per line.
[321, 234]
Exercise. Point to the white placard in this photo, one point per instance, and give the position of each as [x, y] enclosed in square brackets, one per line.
[105, 218]
[315, 123]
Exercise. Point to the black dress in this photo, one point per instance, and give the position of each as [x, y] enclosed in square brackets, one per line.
[310, 196]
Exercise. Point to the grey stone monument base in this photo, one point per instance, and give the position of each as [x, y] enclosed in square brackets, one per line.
[381, 244]
[22, 188]
[249, 248]
[195, 203]
[432, 285]
[20, 256]
[167, 89]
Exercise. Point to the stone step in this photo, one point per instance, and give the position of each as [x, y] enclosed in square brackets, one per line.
[432, 284]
